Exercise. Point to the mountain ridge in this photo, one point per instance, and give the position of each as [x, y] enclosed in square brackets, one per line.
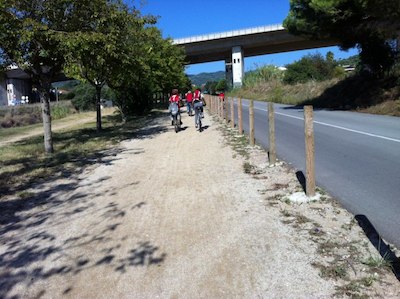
[203, 78]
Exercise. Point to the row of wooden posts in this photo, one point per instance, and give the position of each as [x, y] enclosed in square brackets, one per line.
[220, 108]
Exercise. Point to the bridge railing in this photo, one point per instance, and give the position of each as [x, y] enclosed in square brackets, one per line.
[227, 34]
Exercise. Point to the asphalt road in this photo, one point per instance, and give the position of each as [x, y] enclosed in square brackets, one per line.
[357, 158]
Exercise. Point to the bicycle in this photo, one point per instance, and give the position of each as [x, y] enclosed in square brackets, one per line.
[198, 107]
[176, 116]
[189, 108]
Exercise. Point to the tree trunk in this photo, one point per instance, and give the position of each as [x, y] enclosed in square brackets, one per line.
[98, 108]
[46, 116]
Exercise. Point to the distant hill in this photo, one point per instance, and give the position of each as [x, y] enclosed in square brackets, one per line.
[202, 78]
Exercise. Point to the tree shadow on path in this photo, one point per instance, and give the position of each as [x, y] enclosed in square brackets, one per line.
[31, 249]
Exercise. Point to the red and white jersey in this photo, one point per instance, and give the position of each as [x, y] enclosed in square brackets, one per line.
[174, 99]
[197, 95]
[189, 97]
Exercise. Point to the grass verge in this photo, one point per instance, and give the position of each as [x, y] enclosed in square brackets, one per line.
[11, 132]
[355, 93]
[25, 130]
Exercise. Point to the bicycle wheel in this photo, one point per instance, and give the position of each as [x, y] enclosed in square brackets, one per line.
[200, 127]
[176, 125]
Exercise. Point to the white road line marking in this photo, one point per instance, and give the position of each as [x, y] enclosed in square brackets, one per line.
[359, 132]
[337, 127]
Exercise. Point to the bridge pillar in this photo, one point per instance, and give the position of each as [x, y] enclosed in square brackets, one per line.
[237, 66]
[228, 72]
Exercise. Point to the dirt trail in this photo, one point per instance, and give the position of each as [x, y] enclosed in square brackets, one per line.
[166, 215]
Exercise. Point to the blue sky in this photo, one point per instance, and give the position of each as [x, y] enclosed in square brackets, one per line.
[183, 18]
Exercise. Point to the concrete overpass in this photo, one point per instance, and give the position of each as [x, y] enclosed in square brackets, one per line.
[233, 46]
[16, 84]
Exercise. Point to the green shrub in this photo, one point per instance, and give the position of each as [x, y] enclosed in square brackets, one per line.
[221, 85]
[262, 74]
[132, 101]
[277, 94]
[27, 119]
[310, 67]
[62, 109]
[68, 96]
[339, 72]
[394, 72]
[210, 87]
[84, 97]
[7, 121]
[18, 116]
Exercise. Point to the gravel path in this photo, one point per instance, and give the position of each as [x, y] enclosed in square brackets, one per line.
[166, 215]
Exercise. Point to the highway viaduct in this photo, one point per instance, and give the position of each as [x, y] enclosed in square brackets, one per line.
[231, 47]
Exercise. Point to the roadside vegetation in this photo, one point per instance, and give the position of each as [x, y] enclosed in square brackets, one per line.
[24, 115]
[215, 87]
[323, 83]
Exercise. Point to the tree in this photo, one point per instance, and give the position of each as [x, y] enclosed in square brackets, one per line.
[171, 67]
[211, 87]
[310, 67]
[83, 95]
[94, 51]
[30, 33]
[152, 65]
[221, 85]
[98, 41]
[330, 57]
[370, 25]
[352, 60]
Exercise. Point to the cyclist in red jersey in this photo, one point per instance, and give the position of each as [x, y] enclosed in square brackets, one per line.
[174, 99]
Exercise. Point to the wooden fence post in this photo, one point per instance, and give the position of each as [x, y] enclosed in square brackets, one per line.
[240, 118]
[251, 121]
[218, 107]
[226, 102]
[310, 150]
[221, 109]
[271, 125]
[214, 107]
[232, 113]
